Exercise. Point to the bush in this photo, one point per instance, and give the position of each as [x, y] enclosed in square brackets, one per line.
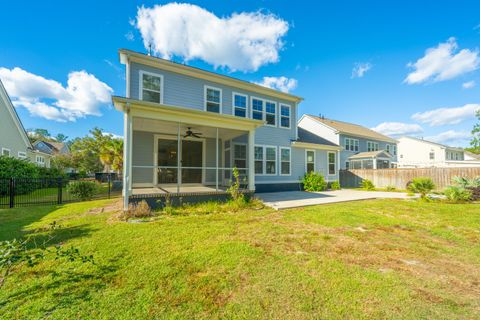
[421, 185]
[335, 185]
[472, 185]
[15, 168]
[367, 185]
[314, 181]
[390, 188]
[137, 210]
[458, 194]
[85, 190]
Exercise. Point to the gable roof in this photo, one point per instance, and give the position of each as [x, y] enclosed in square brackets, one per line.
[308, 137]
[56, 147]
[352, 129]
[176, 67]
[371, 154]
[433, 143]
[473, 155]
[11, 109]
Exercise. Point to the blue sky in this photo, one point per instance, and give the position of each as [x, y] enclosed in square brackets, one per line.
[322, 45]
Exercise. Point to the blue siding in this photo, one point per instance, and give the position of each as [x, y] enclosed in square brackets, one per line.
[345, 154]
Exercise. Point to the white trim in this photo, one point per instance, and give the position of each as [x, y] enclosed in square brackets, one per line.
[289, 117]
[265, 113]
[264, 160]
[156, 137]
[335, 163]
[314, 159]
[289, 160]
[9, 152]
[233, 103]
[205, 87]
[251, 107]
[232, 152]
[356, 143]
[22, 155]
[140, 86]
[37, 158]
[376, 146]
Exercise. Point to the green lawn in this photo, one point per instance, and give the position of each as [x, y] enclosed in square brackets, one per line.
[398, 259]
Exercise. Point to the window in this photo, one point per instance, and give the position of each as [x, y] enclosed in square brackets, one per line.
[394, 148]
[270, 160]
[258, 160]
[22, 155]
[432, 155]
[332, 167]
[285, 159]
[240, 105]
[257, 109]
[388, 148]
[271, 113]
[352, 144]
[40, 160]
[6, 152]
[372, 146]
[284, 116]
[213, 99]
[151, 87]
[347, 165]
[240, 156]
[310, 160]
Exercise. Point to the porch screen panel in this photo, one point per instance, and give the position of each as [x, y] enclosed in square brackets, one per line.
[167, 159]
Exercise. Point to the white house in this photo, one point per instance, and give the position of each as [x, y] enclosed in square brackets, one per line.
[419, 153]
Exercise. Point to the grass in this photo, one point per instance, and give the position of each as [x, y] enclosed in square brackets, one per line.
[398, 259]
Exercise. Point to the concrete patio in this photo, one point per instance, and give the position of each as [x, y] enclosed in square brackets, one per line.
[294, 199]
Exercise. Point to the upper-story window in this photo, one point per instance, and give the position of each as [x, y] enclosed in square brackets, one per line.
[372, 146]
[151, 87]
[239, 105]
[270, 113]
[394, 150]
[22, 155]
[352, 144]
[432, 155]
[285, 116]
[213, 99]
[257, 109]
[6, 152]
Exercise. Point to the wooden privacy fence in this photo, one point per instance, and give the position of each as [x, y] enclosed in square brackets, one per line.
[399, 178]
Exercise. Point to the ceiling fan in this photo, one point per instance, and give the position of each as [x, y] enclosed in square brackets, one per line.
[190, 133]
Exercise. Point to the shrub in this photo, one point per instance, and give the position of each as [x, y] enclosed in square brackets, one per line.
[234, 189]
[421, 185]
[335, 185]
[314, 181]
[85, 190]
[466, 182]
[137, 210]
[367, 185]
[390, 188]
[458, 194]
[15, 168]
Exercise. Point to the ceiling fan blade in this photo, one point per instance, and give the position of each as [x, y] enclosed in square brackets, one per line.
[187, 135]
[195, 135]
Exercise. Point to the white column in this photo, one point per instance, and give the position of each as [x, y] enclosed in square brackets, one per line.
[251, 160]
[374, 160]
[127, 159]
[216, 160]
[179, 158]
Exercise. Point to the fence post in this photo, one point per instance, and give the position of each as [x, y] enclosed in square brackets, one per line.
[109, 184]
[12, 192]
[60, 186]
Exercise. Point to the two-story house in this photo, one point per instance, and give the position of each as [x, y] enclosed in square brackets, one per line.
[14, 141]
[361, 147]
[420, 153]
[185, 129]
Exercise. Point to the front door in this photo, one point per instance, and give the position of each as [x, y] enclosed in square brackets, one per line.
[191, 161]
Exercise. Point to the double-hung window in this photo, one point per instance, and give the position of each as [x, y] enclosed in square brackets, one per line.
[351, 144]
[22, 155]
[394, 150]
[240, 105]
[270, 113]
[213, 99]
[151, 87]
[332, 164]
[6, 152]
[284, 116]
[432, 155]
[310, 161]
[372, 146]
[240, 156]
[257, 109]
[388, 149]
[40, 160]
[270, 160]
[258, 160]
[285, 160]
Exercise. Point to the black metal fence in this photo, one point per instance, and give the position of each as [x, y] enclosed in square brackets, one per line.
[20, 192]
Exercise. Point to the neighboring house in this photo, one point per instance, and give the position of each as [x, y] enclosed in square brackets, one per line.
[52, 148]
[419, 153]
[186, 128]
[13, 138]
[470, 156]
[362, 148]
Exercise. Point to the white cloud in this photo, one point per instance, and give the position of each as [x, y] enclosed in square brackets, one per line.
[443, 116]
[398, 128]
[113, 135]
[443, 62]
[243, 41]
[84, 94]
[360, 68]
[468, 85]
[451, 137]
[130, 36]
[283, 84]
